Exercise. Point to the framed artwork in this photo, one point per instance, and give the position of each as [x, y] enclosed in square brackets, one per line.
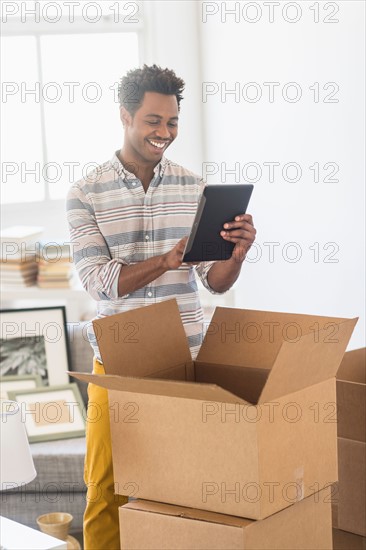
[50, 413]
[34, 342]
[18, 382]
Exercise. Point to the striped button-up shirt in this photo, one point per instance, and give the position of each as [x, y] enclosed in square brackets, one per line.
[113, 223]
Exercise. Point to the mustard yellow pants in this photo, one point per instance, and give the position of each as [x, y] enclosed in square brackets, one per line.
[101, 523]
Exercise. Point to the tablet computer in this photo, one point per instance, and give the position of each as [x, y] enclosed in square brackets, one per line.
[218, 204]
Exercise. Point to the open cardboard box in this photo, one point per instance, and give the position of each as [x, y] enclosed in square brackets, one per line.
[247, 429]
[351, 401]
[146, 525]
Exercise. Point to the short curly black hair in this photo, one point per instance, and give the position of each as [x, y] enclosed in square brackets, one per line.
[136, 82]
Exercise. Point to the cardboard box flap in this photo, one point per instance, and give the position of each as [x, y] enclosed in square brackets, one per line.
[314, 358]
[353, 366]
[189, 513]
[103, 380]
[142, 341]
[252, 338]
[153, 386]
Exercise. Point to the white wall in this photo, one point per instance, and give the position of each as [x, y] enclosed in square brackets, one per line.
[304, 132]
[172, 40]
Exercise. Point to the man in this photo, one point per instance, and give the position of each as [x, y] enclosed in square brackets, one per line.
[129, 222]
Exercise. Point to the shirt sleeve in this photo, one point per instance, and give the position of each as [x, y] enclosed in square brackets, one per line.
[202, 269]
[97, 270]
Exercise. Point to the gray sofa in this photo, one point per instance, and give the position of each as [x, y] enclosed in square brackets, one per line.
[59, 484]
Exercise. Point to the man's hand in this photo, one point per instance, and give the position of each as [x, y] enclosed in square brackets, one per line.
[241, 231]
[135, 276]
[174, 258]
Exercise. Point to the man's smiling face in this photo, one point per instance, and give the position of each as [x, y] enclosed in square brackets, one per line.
[150, 131]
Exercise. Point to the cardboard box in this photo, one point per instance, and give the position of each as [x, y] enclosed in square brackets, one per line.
[352, 486]
[351, 401]
[351, 396]
[334, 500]
[347, 541]
[239, 431]
[150, 525]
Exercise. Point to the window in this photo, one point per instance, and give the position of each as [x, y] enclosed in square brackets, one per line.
[59, 107]
[21, 133]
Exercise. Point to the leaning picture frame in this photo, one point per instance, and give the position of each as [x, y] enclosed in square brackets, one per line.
[33, 341]
[18, 382]
[49, 413]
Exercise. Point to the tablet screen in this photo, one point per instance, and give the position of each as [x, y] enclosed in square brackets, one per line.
[218, 204]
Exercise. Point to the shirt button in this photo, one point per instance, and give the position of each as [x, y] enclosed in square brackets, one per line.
[147, 237]
[149, 294]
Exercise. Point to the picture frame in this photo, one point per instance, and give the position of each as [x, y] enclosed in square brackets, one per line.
[34, 341]
[18, 382]
[53, 412]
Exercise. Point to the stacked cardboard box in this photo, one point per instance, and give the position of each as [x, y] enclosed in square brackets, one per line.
[342, 540]
[238, 432]
[152, 525]
[349, 514]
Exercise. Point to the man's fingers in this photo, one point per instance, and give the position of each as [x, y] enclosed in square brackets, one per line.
[245, 217]
[181, 245]
[238, 234]
[236, 239]
[243, 221]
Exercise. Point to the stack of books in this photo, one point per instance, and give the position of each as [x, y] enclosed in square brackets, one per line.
[18, 274]
[19, 256]
[55, 267]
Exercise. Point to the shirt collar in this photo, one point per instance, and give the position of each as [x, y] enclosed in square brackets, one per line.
[126, 175]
